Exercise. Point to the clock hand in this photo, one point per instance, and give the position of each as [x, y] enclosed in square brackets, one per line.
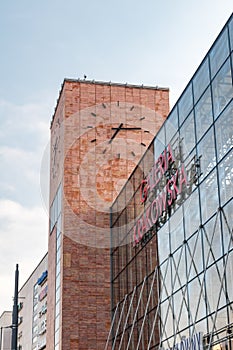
[116, 132]
[125, 128]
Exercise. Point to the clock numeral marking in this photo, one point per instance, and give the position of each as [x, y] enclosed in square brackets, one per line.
[104, 106]
[94, 115]
[104, 151]
[133, 153]
[89, 127]
[143, 144]
[142, 118]
[118, 103]
[147, 131]
[94, 140]
[132, 108]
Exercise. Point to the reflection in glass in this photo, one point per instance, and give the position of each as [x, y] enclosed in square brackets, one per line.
[222, 88]
[201, 80]
[219, 53]
[203, 114]
[166, 316]
[226, 178]
[224, 132]
[165, 284]
[206, 152]
[209, 196]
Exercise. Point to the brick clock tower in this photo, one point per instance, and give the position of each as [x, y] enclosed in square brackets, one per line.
[99, 132]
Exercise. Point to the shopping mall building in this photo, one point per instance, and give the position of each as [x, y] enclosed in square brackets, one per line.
[171, 225]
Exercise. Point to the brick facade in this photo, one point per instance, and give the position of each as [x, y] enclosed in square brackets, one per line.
[92, 170]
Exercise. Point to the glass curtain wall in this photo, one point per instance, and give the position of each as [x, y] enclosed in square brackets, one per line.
[173, 280]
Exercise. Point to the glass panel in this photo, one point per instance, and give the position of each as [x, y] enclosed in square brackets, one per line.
[196, 299]
[201, 80]
[57, 339]
[203, 114]
[166, 319]
[206, 152]
[171, 125]
[227, 219]
[194, 256]
[178, 269]
[219, 53]
[209, 196]
[222, 89]
[180, 310]
[187, 135]
[212, 240]
[231, 33]
[229, 274]
[176, 229]
[215, 292]
[163, 243]
[159, 143]
[224, 132]
[165, 281]
[185, 104]
[226, 178]
[191, 214]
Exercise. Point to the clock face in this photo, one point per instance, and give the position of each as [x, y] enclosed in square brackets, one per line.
[56, 150]
[103, 145]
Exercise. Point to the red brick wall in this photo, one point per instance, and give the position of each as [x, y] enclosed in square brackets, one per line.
[86, 256]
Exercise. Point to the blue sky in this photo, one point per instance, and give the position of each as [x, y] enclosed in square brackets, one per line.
[141, 42]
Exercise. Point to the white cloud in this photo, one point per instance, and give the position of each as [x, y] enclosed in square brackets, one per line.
[24, 136]
[23, 240]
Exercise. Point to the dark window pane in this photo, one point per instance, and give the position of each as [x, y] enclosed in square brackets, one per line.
[224, 132]
[203, 114]
[222, 88]
[201, 80]
[219, 53]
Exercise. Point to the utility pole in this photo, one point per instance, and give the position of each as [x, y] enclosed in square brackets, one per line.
[14, 326]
